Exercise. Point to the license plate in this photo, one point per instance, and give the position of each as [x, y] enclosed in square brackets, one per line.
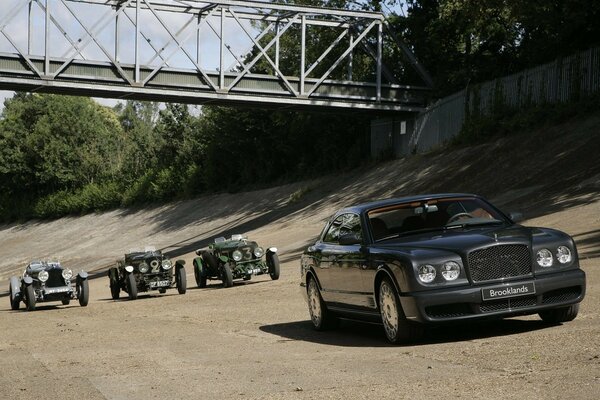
[62, 289]
[503, 292]
[155, 284]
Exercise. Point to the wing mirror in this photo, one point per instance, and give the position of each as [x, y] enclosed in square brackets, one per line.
[350, 239]
[515, 216]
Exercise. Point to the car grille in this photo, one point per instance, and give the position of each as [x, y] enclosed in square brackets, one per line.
[55, 278]
[497, 262]
[508, 304]
[562, 295]
[449, 310]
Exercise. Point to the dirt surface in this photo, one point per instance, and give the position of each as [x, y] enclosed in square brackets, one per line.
[255, 340]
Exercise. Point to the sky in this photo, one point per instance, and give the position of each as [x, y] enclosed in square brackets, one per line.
[16, 29]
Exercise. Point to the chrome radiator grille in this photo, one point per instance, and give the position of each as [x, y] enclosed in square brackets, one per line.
[497, 262]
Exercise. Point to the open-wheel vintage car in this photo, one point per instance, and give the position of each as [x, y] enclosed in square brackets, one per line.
[234, 258]
[143, 271]
[45, 281]
[434, 259]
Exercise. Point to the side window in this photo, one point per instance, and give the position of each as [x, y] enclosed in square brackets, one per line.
[351, 225]
[333, 232]
[342, 225]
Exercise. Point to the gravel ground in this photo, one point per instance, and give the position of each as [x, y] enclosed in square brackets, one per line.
[255, 340]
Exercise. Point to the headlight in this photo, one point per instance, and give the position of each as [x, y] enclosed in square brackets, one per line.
[450, 270]
[43, 276]
[143, 267]
[67, 274]
[236, 255]
[426, 273]
[166, 264]
[129, 268]
[563, 254]
[544, 258]
[258, 252]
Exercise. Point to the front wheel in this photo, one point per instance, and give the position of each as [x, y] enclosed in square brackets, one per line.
[83, 292]
[181, 280]
[273, 264]
[115, 289]
[397, 328]
[320, 316]
[199, 274]
[558, 315]
[227, 276]
[131, 287]
[15, 302]
[30, 298]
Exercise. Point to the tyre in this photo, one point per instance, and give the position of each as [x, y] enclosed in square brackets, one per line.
[199, 275]
[181, 280]
[66, 302]
[227, 276]
[212, 262]
[15, 302]
[115, 289]
[273, 264]
[397, 328]
[320, 316]
[30, 298]
[83, 292]
[131, 287]
[558, 315]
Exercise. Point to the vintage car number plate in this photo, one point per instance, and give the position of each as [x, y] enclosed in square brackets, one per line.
[62, 289]
[155, 284]
[502, 292]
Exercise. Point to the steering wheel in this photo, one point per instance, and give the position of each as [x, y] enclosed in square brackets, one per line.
[458, 216]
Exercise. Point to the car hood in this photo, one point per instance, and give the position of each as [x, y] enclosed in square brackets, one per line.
[465, 239]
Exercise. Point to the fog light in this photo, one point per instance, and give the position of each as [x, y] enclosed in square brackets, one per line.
[544, 258]
[143, 267]
[450, 270]
[426, 273]
[43, 276]
[237, 255]
[67, 274]
[563, 254]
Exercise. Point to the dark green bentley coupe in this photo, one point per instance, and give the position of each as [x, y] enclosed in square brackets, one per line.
[439, 258]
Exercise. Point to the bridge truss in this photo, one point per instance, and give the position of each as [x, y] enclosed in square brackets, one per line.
[200, 52]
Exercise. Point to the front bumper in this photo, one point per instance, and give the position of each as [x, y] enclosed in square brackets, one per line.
[465, 303]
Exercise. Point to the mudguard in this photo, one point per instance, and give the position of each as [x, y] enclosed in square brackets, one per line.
[199, 265]
[28, 280]
[224, 258]
[15, 285]
[179, 263]
[82, 275]
[272, 250]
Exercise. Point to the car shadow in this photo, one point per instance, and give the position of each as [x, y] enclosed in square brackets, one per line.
[361, 334]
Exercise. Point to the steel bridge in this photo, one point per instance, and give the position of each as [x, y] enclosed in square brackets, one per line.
[207, 52]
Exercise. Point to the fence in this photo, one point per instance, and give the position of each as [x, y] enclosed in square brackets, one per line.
[563, 80]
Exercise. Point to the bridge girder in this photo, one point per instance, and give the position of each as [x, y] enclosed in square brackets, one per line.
[190, 51]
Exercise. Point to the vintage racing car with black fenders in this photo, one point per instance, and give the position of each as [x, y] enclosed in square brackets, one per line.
[438, 258]
[143, 271]
[234, 258]
[45, 281]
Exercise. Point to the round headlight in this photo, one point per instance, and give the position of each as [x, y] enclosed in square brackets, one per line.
[143, 267]
[258, 252]
[166, 264]
[43, 276]
[563, 254]
[129, 268]
[450, 270]
[544, 258]
[426, 273]
[67, 274]
[236, 255]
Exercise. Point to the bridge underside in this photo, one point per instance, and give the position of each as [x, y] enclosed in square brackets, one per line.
[192, 52]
